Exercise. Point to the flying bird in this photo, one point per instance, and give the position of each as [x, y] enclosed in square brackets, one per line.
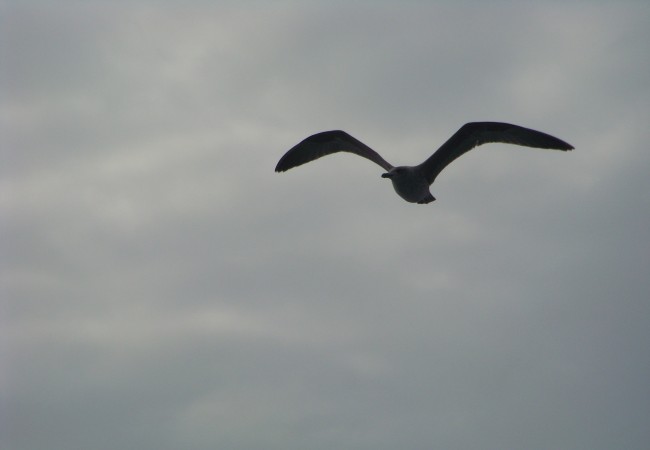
[412, 182]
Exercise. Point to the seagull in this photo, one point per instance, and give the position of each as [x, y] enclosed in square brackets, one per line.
[412, 182]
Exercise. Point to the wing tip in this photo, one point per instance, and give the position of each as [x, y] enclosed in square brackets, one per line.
[281, 167]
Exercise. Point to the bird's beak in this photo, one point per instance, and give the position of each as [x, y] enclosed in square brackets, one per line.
[387, 175]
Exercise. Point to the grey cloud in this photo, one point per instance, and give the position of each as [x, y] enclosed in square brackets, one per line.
[163, 288]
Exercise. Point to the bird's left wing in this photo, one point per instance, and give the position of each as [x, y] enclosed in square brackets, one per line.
[474, 134]
[326, 143]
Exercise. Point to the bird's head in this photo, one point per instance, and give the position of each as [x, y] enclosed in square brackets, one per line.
[396, 173]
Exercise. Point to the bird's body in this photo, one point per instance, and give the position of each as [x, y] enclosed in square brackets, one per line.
[412, 182]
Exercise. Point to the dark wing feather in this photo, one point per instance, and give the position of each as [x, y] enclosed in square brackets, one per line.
[326, 143]
[474, 134]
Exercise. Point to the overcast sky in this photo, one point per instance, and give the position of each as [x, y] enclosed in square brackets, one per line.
[162, 288]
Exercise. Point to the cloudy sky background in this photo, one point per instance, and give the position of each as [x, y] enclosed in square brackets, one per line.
[163, 288]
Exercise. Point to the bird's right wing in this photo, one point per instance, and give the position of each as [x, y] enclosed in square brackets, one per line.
[474, 134]
[326, 143]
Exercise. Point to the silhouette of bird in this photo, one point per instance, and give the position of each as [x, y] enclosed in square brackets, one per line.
[412, 182]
